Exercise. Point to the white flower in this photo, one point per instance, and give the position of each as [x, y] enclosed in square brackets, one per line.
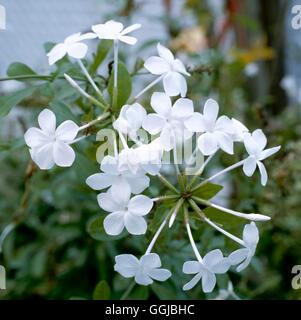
[244, 256]
[113, 30]
[168, 120]
[255, 144]
[126, 212]
[118, 177]
[213, 263]
[130, 120]
[172, 70]
[216, 132]
[48, 145]
[144, 270]
[251, 69]
[72, 46]
[239, 130]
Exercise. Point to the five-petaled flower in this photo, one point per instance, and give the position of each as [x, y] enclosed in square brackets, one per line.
[212, 263]
[50, 145]
[113, 30]
[125, 211]
[168, 119]
[144, 270]
[243, 256]
[255, 144]
[72, 46]
[215, 132]
[171, 69]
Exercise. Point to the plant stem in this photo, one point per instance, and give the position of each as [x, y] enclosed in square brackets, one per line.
[193, 245]
[234, 166]
[128, 291]
[147, 88]
[168, 184]
[175, 212]
[158, 199]
[91, 123]
[155, 237]
[36, 77]
[115, 87]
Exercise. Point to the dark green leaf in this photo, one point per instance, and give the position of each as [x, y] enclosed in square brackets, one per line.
[19, 69]
[62, 111]
[124, 85]
[10, 100]
[208, 191]
[102, 291]
[102, 51]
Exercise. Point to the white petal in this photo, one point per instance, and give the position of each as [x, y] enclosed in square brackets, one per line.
[134, 224]
[138, 183]
[251, 145]
[63, 154]
[88, 35]
[156, 65]
[182, 108]
[56, 53]
[107, 203]
[130, 28]
[128, 39]
[238, 256]
[225, 142]
[208, 282]
[268, 152]
[224, 124]
[143, 279]
[77, 50]
[75, 37]
[211, 111]
[35, 137]
[189, 285]
[212, 258]
[260, 138]
[47, 121]
[195, 123]
[165, 53]
[207, 143]
[159, 274]
[151, 260]
[67, 131]
[126, 264]
[161, 103]
[191, 267]
[174, 83]
[249, 166]
[109, 165]
[140, 205]
[114, 223]
[167, 138]
[251, 234]
[99, 181]
[153, 123]
[43, 156]
[243, 265]
[179, 67]
[263, 173]
[121, 191]
[221, 267]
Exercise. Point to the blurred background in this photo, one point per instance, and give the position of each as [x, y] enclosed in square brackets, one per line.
[245, 54]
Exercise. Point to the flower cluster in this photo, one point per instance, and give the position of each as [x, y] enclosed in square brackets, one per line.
[125, 175]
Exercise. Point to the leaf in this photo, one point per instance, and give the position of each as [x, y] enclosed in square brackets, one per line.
[124, 85]
[62, 111]
[163, 292]
[223, 218]
[102, 51]
[102, 291]
[208, 191]
[96, 230]
[10, 100]
[16, 69]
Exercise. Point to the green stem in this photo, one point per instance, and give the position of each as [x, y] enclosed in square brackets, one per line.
[37, 77]
[128, 291]
[168, 184]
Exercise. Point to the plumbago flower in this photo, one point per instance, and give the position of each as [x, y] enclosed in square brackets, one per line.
[50, 145]
[72, 46]
[125, 174]
[170, 69]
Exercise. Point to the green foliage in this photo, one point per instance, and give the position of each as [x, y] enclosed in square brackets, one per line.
[208, 191]
[102, 291]
[103, 49]
[17, 69]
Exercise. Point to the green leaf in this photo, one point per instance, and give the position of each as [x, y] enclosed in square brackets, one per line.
[16, 69]
[96, 230]
[102, 51]
[10, 100]
[62, 111]
[124, 86]
[102, 291]
[208, 191]
[223, 218]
